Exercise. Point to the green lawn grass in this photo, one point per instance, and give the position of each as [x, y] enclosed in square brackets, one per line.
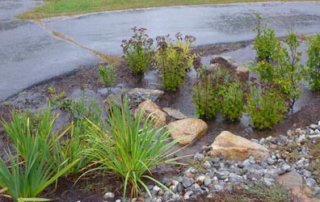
[53, 8]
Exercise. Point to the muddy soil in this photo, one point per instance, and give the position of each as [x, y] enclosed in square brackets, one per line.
[92, 188]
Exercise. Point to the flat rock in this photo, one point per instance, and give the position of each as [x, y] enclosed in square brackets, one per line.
[233, 147]
[174, 113]
[152, 110]
[186, 131]
[138, 95]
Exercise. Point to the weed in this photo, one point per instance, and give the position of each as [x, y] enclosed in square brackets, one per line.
[314, 62]
[107, 75]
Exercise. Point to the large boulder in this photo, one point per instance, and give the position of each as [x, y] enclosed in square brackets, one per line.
[233, 147]
[152, 110]
[186, 131]
[293, 183]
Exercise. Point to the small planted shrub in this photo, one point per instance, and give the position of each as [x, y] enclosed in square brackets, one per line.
[174, 59]
[266, 106]
[314, 63]
[277, 64]
[107, 75]
[205, 95]
[232, 101]
[129, 148]
[138, 51]
[209, 91]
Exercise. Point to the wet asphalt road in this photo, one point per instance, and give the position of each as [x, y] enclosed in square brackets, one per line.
[29, 54]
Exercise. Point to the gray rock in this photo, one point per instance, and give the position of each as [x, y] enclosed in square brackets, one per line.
[314, 126]
[268, 181]
[187, 195]
[285, 168]
[29, 100]
[306, 173]
[222, 175]
[218, 187]
[311, 182]
[271, 161]
[207, 181]
[207, 165]
[174, 113]
[138, 95]
[235, 178]
[198, 157]
[316, 192]
[108, 195]
[187, 182]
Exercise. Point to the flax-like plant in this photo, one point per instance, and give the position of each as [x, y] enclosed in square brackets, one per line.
[37, 162]
[130, 148]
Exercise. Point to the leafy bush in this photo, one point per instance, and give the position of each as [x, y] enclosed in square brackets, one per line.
[314, 62]
[174, 59]
[210, 91]
[107, 75]
[265, 43]
[277, 64]
[138, 51]
[37, 163]
[266, 106]
[129, 148]
[232, 102]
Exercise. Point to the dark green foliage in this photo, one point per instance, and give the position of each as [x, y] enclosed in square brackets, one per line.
[138, 51]
[174, 59]
[266, 106]
[107, 75]
[314, 62]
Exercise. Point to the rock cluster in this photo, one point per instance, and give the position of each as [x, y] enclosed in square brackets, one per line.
[214, 174]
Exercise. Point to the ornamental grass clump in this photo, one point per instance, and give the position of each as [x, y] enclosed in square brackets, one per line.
[313, 70]
[129, 147]
[36, 161]
[138, 51]
[174, 59]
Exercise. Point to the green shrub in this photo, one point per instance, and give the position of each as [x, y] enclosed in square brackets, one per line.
[232, 102]
[266, 106]
[277, 64]
[129, 148]
[265, 43]
[314, 62]
[174, 59]
[107, 75]
[138, 51]
[38, 162]
[209, 91]
[205, 96]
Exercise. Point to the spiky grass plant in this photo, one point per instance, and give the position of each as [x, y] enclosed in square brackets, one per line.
[129, 148]
[37, 162]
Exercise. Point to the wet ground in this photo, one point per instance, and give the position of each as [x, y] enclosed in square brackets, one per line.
[33, 52]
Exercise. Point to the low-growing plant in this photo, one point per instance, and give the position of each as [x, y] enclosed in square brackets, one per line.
[174, 59]
[37, 162]
[232, 101]
[129, 148]
[314, 62]
[265, 105]
[107, 74]
[138, 51]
